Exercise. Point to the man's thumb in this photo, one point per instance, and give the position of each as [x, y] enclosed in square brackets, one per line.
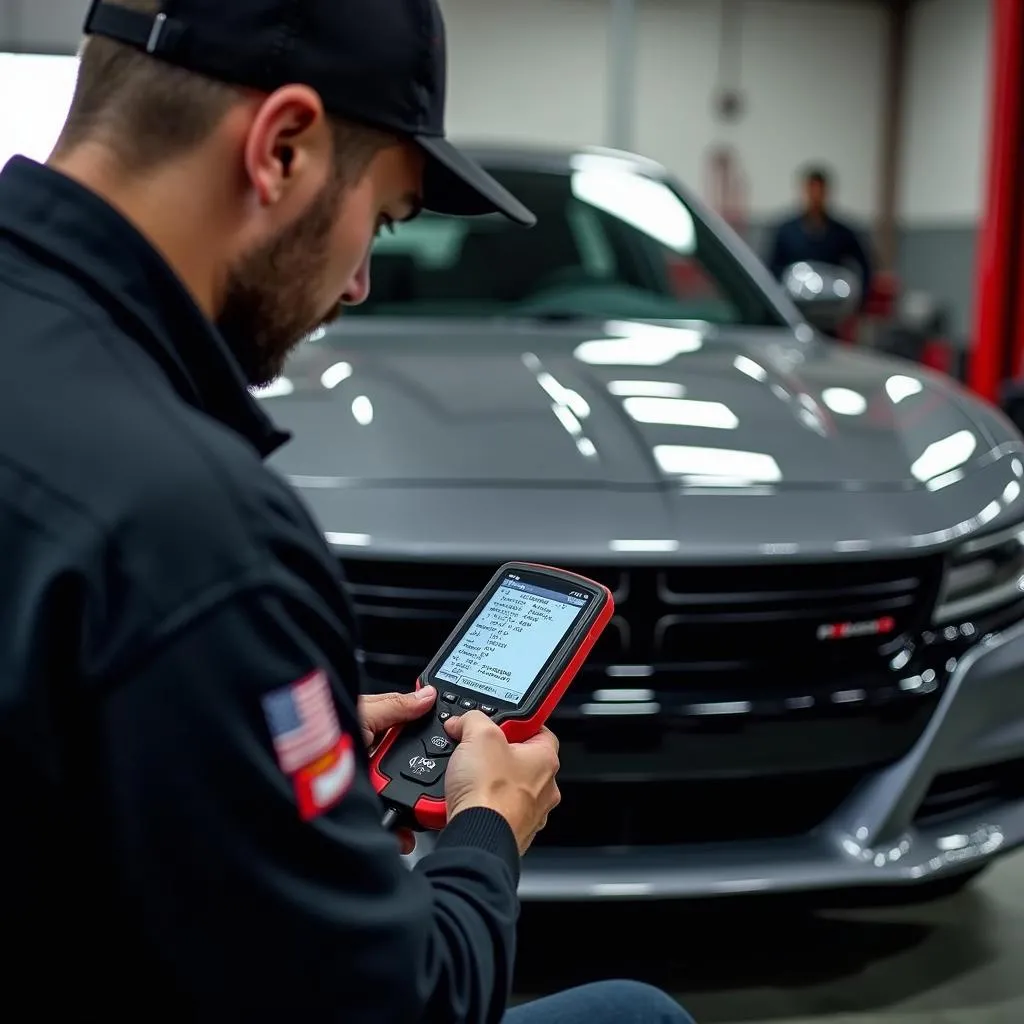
[461, 725]
[402, 707]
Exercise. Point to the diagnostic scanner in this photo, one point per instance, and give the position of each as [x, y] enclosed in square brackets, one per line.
[512, 656]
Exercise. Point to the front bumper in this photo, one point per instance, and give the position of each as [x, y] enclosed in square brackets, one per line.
[871, 839]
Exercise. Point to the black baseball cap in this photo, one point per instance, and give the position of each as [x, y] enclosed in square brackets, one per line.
[382, 63]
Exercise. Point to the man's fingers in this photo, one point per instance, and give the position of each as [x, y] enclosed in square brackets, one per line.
[383, 710]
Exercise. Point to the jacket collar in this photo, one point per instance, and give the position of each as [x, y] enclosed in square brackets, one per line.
[73, 229]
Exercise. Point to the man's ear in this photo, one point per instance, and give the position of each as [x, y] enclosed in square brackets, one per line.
[288, 135]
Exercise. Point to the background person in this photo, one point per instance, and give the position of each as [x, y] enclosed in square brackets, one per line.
[815, 234]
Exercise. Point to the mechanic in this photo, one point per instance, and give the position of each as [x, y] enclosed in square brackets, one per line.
[189, 832]
[815, 235]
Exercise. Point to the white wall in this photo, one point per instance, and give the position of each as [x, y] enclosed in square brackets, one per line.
[946, 116]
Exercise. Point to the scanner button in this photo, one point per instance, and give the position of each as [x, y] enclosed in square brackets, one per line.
[448, 697]
[467, 704]
[424, 770]
[438, 744]
[487, 709]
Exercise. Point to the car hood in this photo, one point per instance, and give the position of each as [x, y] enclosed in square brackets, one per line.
[612, 405]
[579, 443]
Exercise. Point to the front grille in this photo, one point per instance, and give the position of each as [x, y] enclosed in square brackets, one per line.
[751, 620]
[711, 633]
[973, 791]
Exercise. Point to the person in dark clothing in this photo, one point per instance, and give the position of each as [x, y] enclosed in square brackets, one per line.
[189, 830]
[816, 235]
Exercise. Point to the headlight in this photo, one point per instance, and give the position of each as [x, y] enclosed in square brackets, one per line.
[983, 575]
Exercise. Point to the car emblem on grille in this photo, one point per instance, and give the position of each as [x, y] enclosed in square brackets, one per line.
[849, 630]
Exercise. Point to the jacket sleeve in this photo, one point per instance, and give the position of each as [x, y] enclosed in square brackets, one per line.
[258, 867]
[777, 256]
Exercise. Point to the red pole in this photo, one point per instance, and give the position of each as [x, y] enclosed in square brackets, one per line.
[998, 273]
[1017, 308]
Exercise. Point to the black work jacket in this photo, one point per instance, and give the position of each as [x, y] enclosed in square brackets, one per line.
[177, 657]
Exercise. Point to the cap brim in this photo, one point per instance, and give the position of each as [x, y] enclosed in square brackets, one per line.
[456, 185]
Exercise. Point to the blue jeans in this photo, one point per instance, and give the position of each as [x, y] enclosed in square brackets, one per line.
[604, 1002]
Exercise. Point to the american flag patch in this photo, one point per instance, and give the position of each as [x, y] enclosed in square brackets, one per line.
[303, 722]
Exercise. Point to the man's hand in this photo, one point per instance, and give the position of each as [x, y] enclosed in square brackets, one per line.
[379, 712]
[515, 779]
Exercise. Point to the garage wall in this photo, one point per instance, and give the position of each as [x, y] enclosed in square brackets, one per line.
[942, 184]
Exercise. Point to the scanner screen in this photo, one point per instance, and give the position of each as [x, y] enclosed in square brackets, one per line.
[504, 649]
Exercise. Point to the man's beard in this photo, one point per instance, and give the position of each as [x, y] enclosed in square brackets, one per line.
[269, 305]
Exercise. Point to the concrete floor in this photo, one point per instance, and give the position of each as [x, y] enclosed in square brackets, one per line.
[954, 961]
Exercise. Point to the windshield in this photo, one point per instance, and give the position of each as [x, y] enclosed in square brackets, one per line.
[609, 243]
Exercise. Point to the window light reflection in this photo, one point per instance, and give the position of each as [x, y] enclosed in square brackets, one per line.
[334, 375]
[643, 203]
[646, 389]
[747, 365]
[720, 466]
[362, 410]
[638, 545]
[681, 412]
[844, 401]
[639, 345]
[348, 540]
[943, 456]
[899, 386]
[279, 388]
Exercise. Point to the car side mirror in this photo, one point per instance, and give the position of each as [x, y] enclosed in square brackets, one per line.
[826, 295]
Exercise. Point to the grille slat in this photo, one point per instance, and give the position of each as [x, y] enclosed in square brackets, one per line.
[861, 608]
[879, 591]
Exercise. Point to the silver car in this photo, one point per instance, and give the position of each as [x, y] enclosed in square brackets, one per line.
[815, 680]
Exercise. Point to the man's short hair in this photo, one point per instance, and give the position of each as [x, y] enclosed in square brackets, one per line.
[816, 175]
[149, 112]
